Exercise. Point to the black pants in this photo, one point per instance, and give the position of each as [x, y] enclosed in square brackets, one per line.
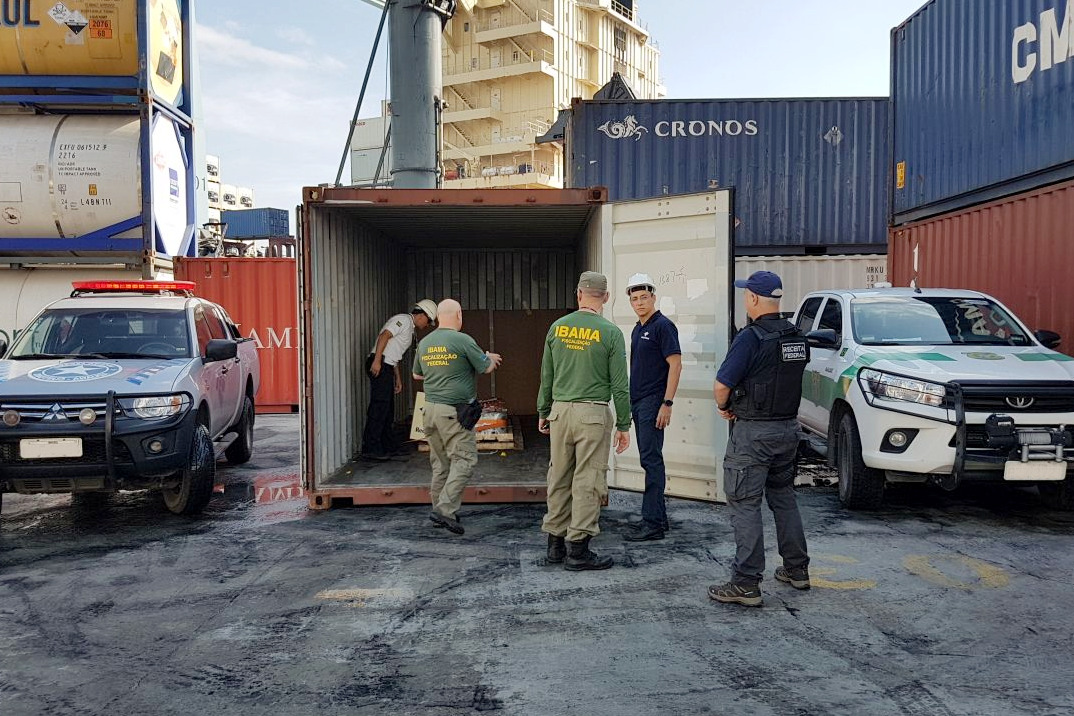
[379, 438]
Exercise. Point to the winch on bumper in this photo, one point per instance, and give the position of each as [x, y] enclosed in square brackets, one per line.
[64, 444]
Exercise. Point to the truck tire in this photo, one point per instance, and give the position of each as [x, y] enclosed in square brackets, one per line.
[242, 448]
[860, 487]
[196, 480]
[1058, 495]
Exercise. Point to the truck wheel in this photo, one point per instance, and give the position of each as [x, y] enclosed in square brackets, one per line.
[860, 487]
[242, 448]
[1058, 495]
[196, 480]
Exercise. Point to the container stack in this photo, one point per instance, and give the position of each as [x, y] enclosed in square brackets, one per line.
[982, 196]
[96, 135]
[809, 175]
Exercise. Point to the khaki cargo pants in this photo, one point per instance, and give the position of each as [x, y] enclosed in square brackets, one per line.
[452, 454]
[578, 473]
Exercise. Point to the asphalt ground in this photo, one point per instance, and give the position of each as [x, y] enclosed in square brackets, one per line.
[938, 604]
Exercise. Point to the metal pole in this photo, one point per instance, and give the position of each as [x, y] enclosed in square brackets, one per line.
[361, 95]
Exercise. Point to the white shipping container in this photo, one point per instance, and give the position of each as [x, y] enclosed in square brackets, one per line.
[364, 164]
[216, 200]
[802, 274]
[66, 176]
[246, 197]
[25, 291]
[229, 196]
[369, 133]
[212, 167]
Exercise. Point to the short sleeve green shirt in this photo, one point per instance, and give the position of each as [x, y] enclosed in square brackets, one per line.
[449, 362]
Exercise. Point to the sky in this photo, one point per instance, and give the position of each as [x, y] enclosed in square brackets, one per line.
[280, 80]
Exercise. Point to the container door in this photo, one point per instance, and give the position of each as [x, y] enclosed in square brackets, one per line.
[685, 244]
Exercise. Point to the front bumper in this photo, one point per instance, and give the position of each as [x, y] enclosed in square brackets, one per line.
[115, 454]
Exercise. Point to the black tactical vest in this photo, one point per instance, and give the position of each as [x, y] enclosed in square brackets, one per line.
[772, 388]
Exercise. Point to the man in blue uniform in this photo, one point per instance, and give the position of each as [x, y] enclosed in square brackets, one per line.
[655, 366]
[758, 388]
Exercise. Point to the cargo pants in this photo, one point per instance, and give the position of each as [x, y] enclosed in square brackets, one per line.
[452, 455]
[760, 462]
[581, 435]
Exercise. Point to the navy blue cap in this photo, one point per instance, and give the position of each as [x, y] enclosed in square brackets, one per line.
[763, 283]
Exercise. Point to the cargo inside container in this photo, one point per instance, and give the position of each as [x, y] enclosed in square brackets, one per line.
[512, 259]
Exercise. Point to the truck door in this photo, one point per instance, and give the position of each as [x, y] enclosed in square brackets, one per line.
[685, 243]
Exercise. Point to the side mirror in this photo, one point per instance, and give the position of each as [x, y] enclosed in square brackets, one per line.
[220, 349]
[3, 347]
[1048, 339]
[823, 338]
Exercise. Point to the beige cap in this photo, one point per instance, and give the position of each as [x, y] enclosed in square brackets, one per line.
[593, 280]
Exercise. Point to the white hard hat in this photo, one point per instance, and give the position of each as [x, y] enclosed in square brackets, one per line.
[427, 307]
[638, 280]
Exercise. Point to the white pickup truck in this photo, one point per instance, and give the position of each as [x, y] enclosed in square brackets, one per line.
[942, 386]
[126, 385]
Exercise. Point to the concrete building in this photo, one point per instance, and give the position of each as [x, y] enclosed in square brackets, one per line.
[509, 67]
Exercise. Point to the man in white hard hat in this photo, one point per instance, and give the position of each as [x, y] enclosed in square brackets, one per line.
[385, 379]
[655, 367]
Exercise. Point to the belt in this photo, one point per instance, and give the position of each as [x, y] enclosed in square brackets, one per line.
[589, 402]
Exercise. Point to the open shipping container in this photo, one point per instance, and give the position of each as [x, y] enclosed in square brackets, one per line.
[512, 258]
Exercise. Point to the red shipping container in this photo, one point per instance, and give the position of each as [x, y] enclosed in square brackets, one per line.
[1019, 249]
[261, 295]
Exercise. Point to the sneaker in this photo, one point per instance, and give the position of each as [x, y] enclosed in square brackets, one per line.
[797, 578]
[731, 593]
[449, 523]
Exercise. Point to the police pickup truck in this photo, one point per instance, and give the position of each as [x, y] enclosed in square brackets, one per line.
[941, 386]
[126, 385]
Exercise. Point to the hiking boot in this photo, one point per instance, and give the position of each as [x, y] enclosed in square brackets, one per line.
[449, 523]
[797, 578]
[731, 593]
[645, 533]
[557, 549]
[580, 557]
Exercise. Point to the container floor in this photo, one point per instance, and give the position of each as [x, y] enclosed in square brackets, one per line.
[525, 467]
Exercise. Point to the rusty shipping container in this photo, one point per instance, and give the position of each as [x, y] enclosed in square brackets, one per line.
[1019, 249]
[512, 258]
[261, 296]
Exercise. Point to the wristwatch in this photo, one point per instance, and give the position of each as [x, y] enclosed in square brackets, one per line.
[669, 403]
[722, 407]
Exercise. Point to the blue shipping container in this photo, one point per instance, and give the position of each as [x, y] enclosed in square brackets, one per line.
[256, 223]
[810, 175]
[983, 99]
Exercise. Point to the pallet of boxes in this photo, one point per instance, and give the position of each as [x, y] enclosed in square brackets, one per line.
[497, 430]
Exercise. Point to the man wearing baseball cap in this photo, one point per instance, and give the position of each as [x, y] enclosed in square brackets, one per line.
[394, 339]
[582, 369]
[758, 388]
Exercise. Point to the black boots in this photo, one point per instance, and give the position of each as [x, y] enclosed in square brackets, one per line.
[579, 557]
[557, 549]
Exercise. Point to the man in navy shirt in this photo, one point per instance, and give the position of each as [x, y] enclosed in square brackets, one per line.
[655, 366]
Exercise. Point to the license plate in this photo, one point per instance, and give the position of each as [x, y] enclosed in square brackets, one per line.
[38, 448]
[1039, 470]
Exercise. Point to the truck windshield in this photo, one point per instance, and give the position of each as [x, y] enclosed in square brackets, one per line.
[931, 320]
[104, 333]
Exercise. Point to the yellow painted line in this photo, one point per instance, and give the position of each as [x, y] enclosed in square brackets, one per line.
[988, 575]
[816, 575]
[358, 597]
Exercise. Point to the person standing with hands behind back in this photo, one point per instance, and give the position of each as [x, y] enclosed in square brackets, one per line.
[447, 362]
[583, 366]
[655, 366]
[759, 387]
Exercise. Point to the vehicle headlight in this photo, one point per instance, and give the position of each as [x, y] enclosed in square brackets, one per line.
[155, 406]
[893, 387]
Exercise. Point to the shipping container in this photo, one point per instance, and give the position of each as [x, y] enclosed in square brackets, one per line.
[810, 175]
[212, 168]
[804, 274]
[1019, 249]
[98, 38]
[260, 295]
[69, 183]
[24, 291]
[512, 257]
[256, 223]
[229, 196]
[982, 100]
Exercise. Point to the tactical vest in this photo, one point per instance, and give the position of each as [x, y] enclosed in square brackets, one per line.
[772, 388]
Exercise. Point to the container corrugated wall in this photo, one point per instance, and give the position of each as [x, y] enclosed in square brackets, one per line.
[809, 175]
[803, 274]
[492, 280]
[1020, 250]
[261, 295]
[982, 99]
[256, 223]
